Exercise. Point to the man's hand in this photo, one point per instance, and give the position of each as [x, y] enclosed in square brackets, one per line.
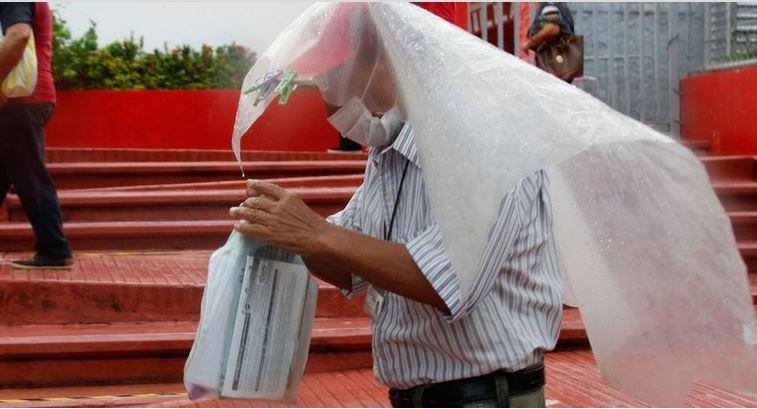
[276, 216]
[549, 32]
[12, 49]
[526, 47]
[282, 219]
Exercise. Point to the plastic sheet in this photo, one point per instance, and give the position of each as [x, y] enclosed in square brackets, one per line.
[645, 243]
[255, 324]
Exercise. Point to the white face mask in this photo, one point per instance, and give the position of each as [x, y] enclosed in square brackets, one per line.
[354, 121]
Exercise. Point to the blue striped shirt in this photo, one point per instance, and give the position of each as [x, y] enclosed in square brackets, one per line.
[513, 312]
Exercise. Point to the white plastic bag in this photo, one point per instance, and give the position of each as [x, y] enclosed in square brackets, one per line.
[255, 323]
[22, 79]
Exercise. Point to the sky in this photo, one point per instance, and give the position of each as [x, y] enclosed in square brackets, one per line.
[254, 24]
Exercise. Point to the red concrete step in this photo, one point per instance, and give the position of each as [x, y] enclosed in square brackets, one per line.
[65, 355]
[239, 184]
[127, 236]
[170, 235]
[748, 251]
[700, 147]
[572, 376]
[93, 174]
[108, 288]
[737, 196]
[58, 155]
[164, 205]
[744, 225]
[730, 168]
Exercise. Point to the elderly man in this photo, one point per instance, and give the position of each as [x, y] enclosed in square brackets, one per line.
[452, 234]
[431, 346]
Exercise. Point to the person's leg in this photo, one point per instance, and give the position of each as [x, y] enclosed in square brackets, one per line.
[5, 181]
[22, 153]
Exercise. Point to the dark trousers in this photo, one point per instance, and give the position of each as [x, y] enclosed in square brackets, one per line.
[22, 164]
[348, 144]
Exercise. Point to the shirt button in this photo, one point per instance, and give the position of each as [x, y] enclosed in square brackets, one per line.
[388, 198]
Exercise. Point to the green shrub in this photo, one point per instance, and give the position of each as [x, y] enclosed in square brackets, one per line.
[78, 63]
[743, 55]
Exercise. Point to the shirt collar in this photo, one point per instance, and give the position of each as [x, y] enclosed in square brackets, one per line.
[404, 144]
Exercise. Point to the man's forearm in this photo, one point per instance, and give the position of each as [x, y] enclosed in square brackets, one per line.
[387, 265]
[330, 272]
[12, 48]
[548, 33]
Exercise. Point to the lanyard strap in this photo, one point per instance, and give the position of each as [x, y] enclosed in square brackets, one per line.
[388, 233]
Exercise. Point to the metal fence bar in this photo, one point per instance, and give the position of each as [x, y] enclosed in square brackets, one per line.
[611, 62]
[728, 29]
[641, 62]
[673, 74]
[626, 64]
[498, 19]
[484, 21]
[595, 63]
[515, 9]
[707, 32]
[656, 84]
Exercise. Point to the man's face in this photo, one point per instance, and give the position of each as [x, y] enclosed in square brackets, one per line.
[380, 94]
[373, 82]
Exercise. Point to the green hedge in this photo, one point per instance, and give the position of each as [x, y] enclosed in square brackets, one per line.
[78, 63]
[743, 55]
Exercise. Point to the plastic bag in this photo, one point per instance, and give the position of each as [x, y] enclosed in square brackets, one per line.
[255, 324]
[22, 79]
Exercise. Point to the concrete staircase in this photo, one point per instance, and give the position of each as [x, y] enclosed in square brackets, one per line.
[143, 224]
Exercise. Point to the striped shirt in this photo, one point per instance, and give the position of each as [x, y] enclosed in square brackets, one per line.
[513, 312]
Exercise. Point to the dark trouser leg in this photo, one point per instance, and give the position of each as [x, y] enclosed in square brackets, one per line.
[22, 152]
[5, 181]
[348, 144]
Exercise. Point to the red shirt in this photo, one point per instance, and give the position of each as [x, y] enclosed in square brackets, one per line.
[42, 25]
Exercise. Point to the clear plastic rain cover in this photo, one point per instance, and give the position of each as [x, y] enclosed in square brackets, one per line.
[648, 249]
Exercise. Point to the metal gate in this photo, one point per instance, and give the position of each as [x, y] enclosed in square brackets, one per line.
[636, 53]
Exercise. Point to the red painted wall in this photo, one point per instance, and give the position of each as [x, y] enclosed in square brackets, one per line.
[721, 106]
[184, 119]
[461, 15]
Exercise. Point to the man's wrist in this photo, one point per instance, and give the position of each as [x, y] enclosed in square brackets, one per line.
[320, 243]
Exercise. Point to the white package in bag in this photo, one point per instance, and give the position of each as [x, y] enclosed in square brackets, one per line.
[255, 324]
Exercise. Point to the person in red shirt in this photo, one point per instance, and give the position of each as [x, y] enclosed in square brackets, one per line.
[22, 136]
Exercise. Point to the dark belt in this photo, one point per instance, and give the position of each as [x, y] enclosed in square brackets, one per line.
[454, 393]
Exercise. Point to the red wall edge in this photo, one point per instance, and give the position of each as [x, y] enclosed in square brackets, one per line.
[461, 15]
[721, 106]
[184, 119]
